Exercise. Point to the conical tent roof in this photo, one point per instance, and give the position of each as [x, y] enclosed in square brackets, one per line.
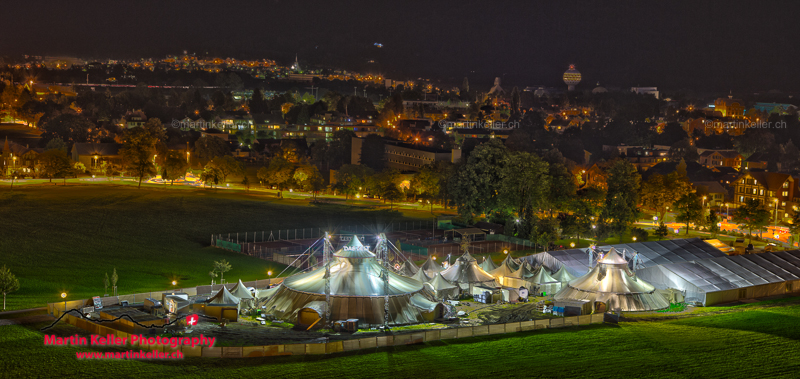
[562, 275]
[505, 269]
[511, 262]
[613, 258]
[241, 291]
[421, 276]
[357, 288]
[612, 282]
[524, 272]
[542, 276]
[223, 296]
[465, 270]
[408, 269]
[488, 264]
[442, 288]
[440, 283]
[354, 249]
[431, 267]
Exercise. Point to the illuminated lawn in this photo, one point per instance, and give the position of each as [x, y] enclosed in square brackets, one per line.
[749, 341]
[63, 239]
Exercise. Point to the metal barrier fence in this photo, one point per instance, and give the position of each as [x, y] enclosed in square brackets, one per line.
[347, 345]
[315, 233]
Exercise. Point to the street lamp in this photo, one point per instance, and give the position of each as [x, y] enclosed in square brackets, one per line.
[64, 296]
[634, 239]
[95, 162]
[572, 244]
[505, 251]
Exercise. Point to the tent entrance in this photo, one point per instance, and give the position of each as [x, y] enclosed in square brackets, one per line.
[600, 307]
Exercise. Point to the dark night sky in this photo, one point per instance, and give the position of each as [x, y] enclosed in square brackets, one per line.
[699, 45]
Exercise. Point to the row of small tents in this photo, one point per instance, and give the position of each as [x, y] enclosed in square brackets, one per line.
[466, 273]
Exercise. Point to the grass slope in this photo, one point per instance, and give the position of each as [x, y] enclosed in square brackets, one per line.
[63, 239]
[749, 341]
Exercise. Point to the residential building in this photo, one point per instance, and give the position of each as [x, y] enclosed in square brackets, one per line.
[730, 107]
[713, 193]
[775, 190]
[721, 158]
[407, 157]
[93, 155]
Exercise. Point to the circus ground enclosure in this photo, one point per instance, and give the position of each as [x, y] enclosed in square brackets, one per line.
[154, 237]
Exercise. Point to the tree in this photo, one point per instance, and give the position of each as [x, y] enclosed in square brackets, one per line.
[308, 178]
[69, 127]
[175, 167]
[56, 143]
[373, 152]
[425, 182]
[622, 196]
[712, 223]
[106, 282]
[661, 231]
[257, 103]
[246, 183]
[211, 175]
[562, 186]
[661, 191]
[794, 226]
[114, 279]
[227, 165]
[8, 283]
[222, 266]
[351, 179]
[109, 169]
[138, 150]
[277, 174]
[54, 163]
[751, 215]
[525, 183]
[209, 147]
[690, 210]
[475, 184]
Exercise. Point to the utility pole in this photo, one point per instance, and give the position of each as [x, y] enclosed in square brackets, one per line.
[326, 260]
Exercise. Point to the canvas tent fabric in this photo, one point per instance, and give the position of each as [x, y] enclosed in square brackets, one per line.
[444, 289]
[357, 291]
[421, 276]
[651, 253]
[223, 296]
[431, 267]
[242, 292]
[562, 275]
[612, 282]
[507, 268]
[408, 268]
[466, 272]
[524, 272]
[729, 278]
[511, 262]
[488, 264]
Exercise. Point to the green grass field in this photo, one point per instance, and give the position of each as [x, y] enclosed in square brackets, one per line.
[63, 239]
[747, 341]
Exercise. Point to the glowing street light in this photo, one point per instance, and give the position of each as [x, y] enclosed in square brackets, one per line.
[634, 239]
[572, 244]
[174, 282]
[505, 251]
